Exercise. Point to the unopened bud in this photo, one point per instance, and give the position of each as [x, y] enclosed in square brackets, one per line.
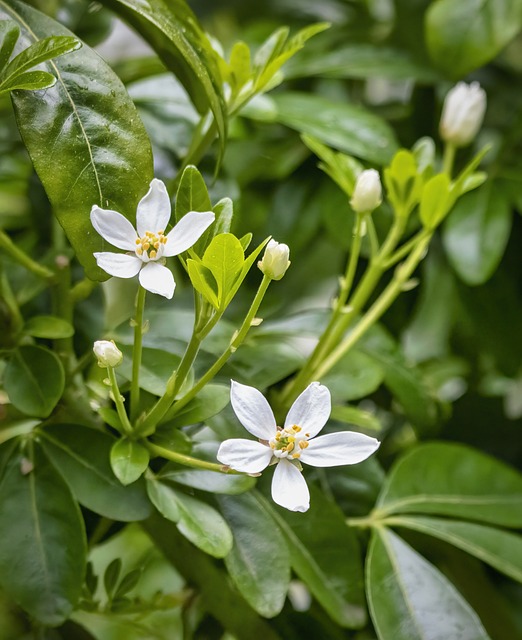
[462, 113]
[275, 260]
[367, 194]
[107, 353]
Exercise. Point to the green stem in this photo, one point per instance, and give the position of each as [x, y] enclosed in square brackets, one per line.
[22, 258]
[406, 248]
[448, 158]
[63, 307]
[118, 401]
[232, 347]
[377, 309]
[16, 320]
[188, 461]
[83, 289]
[136, 353]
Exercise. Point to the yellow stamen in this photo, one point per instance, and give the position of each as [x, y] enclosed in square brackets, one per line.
[303, 444]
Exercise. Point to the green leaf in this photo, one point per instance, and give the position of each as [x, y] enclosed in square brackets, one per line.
[203, 281]
[203, 525]
[453, 480]
[412, 600]
[477, 231]
[43, 546]
[111, 576]
[347, 127]
[192, 193]
[403, 182]
[82, 456]
[49, 327]
[163, 498]
[224, 211]
[9, 34]
[29, 81]
[34, 380]
[501, 549]
[355, 376]
[129, 460]
[462, 36]
[209, 480]
[84, 137]
[156, 368]
[258, 564]
[173, 31]
[353, 415]
[435, 201]
[224, 258]
[325, 554]
[35, 54]
[210, 400]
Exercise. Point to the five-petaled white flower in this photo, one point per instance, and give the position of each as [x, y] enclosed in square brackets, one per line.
[149, 244]
[291, 444]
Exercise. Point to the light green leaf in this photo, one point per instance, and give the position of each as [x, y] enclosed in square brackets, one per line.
[411, 599]
[403, 182]
[43, 546]
[50, 327]
[464, 35]
[29, 81]
[224, 258]
[82, 455]
[435, 201]
[163, 498]
[353, 415]
[355, 376]
[325, 554]
[259, 564]
[84, 137]
[453, 480]
[203, 281]
[9, 34]
[477, 231]
[501, 549]
[129, 460]
[34, 380]
[211, 481]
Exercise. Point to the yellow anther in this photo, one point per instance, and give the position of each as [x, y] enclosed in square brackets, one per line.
[296, 455]
[156, 244]
[296, 428]
[303, 444]
[139, 251]
[138, 240]
[291, 439]
[152, 254]
[163, 239]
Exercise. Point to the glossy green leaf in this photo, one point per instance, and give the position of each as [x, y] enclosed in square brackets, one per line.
[259, 562]
[43, 546]
[49, 327]
[453, 480]
[203, 282]
[209, 480]
[477, 231]
[82, 457]
[224, 210]
[347, 127]
[34, 380]
[209, 401]
[84, 136]
[192, 193]
[325, 554]
[411, 599]
[29, 81]
[203, 525]
[9, 33]
[464, 35]
[172, 30]
[498, 548]
[355, 376]
[129, 460]
[157, 365]
[163, 498]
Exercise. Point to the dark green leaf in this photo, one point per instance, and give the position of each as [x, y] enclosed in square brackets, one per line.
[477, 231]
[209, 401]
[82, 456]
[157, 365]
[259, 564]
[111, 576]
[209, 480]
[173, 31]
[48, 327]
[129, 460]
[192, 193]
[43, 546]
[34, 380]
[84, 136]
[9, 33]
[410, 599]
[128, 582]
[453, 480]
[355, 376]
[501, 549]
[325, 554]
[464, 35]
[163, 498]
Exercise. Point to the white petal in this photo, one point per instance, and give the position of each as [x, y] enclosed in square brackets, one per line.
[114, 228]
[244, 455]
[311, 410]
[157, 279]
[118, 264]
[153, 212]
[289, 489]
[253, 411]
[335, 449]
[187, 232]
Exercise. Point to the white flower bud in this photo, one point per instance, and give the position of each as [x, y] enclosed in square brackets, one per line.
[367, 194]
[107, 353]
[462, 113]
[275, 260]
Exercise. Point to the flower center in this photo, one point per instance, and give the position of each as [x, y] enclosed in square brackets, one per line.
[289, 442]
[151, 245]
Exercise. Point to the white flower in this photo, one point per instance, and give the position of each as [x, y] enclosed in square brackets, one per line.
[275, 260]
[367, 194]
[149, 246]
[107, 353]
[462, 113]
[292, 444]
